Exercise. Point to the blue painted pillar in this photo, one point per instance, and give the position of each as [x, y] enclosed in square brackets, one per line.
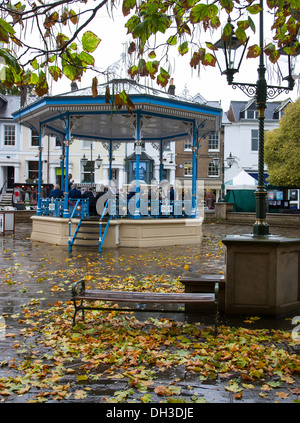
[137, 213]
[161, 166]
[67, 145]
[39, 205]
[62, 182]
[110, 163]
[194, 170]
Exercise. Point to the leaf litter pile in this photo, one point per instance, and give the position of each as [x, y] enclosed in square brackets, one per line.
[115, 357]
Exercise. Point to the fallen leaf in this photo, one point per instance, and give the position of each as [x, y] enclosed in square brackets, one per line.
[282, 395]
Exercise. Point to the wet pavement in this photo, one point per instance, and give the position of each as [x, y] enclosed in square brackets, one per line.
[36, 277]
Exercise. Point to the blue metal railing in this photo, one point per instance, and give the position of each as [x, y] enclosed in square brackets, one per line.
[55, 207]
[71, 240]
[119, 207]
[102, 237]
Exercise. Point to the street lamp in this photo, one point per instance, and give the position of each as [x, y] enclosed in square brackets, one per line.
[261, 92]
[216, 162]
[98, 162]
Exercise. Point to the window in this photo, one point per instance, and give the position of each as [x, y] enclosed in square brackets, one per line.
[34, 138]
[9, 135]
[88, 172]
[254, 140]
[213, 141]
[187, 145]
[252, 114]
[212, 169]
[188, 168]
[87, 144]
[33, 170]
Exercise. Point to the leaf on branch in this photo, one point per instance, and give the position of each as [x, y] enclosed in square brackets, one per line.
[10, 60]
[51, 20]
[152, 55]
[172, 40]
[107, 95]
[226, 32]
[41, 87]
[183, 48]
[163, 78]
[94, 86]
[241, 35]
[271, 52]
[209, 60]
[127, 6]
[253, 51]
[251, 24]
[211, 46]
[198, 13]
[254, 9]
[133, 71]
[152, 68]
[122, 99]
[227, 5]
[87, 58]
[55, 72]
[195, 60]
[61, 40]
[131, 48]
[90, 41]
[73, 17]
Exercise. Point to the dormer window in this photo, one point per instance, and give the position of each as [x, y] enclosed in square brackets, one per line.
[251, 114]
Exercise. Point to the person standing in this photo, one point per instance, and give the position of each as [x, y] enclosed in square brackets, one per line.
[56, 192]
[74, 192]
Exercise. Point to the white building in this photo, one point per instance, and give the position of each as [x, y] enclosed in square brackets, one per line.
[241, 135]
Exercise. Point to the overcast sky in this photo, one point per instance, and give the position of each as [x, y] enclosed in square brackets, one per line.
[210, 84]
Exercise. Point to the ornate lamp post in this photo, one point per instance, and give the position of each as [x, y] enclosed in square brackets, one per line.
[98, 163]
[229, 62]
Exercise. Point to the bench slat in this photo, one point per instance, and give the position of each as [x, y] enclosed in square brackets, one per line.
[144, 297]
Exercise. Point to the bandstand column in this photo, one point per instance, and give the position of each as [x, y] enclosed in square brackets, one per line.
[39, 206]
[62, 182]
[161, 166]
[110, 163]
[66, 192]
[137, 214]
[194, 170]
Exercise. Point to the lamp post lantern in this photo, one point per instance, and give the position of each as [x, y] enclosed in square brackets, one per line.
[261, 92]
[98, 162]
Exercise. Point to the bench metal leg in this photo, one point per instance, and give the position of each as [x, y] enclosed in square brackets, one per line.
[217, 307]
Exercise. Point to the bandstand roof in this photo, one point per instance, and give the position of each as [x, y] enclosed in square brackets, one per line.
[164, 116]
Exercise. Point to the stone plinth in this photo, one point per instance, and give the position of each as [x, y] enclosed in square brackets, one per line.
[262, 275]
[123, 232]
[221, 210]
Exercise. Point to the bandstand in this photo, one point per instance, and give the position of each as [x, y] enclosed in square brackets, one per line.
[142, 221]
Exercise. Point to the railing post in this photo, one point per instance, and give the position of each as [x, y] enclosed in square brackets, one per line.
[39, 199]
[66, 193]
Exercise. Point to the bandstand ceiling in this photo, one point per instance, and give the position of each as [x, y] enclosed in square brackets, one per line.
[163, 116]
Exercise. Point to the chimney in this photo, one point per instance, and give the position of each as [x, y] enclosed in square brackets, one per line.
[74, 86]
[171, 89]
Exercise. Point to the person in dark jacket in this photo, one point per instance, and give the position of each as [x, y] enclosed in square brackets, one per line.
[88, 194]
[92, 201]
[74, 192]
[56, 192]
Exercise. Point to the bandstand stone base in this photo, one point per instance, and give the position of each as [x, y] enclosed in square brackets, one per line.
[124, 232]
[262, 275]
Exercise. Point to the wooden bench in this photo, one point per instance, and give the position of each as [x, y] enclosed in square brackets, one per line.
[81, 295]
[195, 282]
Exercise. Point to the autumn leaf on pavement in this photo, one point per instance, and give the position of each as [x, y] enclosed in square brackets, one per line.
[162, 390]
[283, 395]
[80, 394]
